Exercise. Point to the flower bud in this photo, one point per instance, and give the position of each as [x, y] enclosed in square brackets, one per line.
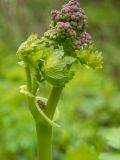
[69, 23]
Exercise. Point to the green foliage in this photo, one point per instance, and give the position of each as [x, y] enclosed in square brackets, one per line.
[55, 70]
[93, 97]
[52, 64]
[27, 47]
[14, 121]
[112, 136]
[83, 119]
[48, 62]
[90, 58]
[83, 151]
[109, 156]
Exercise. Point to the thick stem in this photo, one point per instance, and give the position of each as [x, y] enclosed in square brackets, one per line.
[43, 129]
[44, 141]
[53, 101]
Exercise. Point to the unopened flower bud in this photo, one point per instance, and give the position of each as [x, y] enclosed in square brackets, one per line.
[69, 23]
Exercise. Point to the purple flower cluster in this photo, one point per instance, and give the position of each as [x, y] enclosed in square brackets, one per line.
[69, 23]
[72, 13]
[85, 38]
[65, 29]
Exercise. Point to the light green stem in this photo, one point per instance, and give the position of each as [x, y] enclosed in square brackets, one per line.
[31, 104]
[44, 141]
[43, 129]
[28, 76]
[53, 101]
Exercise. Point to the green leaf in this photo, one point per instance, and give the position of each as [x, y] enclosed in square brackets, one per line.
[39, 57]
[28, 46]
[109, 156]
[82, 152]
[55, 70]
[54, 66]
[90, 58]
[112, 137]
[69, 60]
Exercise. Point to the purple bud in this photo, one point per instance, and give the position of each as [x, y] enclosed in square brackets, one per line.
[69, 14]
[65, 10]
[67, 25]
[73, 2]
[86, 38]
[79, 14]
[62, 26]
[75, 8]
[55, 13]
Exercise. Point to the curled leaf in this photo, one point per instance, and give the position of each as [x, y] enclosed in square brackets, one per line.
[30, 45]
[90, 58]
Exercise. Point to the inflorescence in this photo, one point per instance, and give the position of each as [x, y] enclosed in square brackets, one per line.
[69, 23]
[64, 44]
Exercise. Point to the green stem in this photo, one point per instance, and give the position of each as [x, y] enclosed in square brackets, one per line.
[43, 129]
[27, 70]
[31, 104]
[53, 101]
[44, 141]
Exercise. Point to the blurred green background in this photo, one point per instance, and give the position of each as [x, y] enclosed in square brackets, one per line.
[90, 104]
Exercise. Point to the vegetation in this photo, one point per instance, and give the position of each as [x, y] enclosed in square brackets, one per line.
[90, 121]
